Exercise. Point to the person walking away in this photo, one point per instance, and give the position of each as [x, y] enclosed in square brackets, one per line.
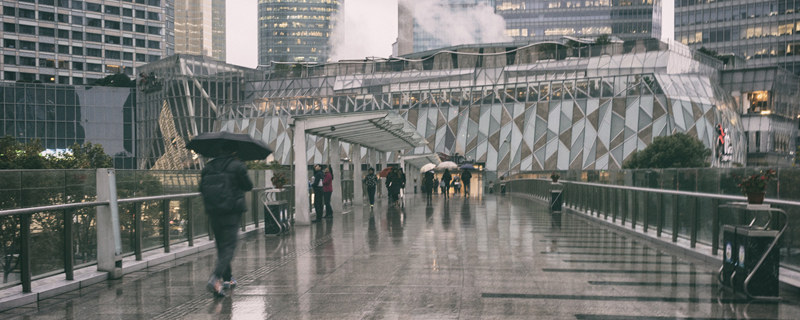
[393, 186]
[446, 177]
[428, 185]
[371, 181]
[456, 185]
[402, 177]
[435, 185]
[466, 176]
[327, 189]
[319, 197]
[223, 182]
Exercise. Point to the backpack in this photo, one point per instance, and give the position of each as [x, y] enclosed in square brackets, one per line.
[218, 189]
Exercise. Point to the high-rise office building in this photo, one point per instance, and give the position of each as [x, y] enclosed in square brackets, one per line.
[525, 20]
[295, 30]
[200, 28]
[764, 32]
[552, 19]
[78, 42]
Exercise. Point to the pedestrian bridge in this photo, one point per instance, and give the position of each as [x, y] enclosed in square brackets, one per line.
[615, 253]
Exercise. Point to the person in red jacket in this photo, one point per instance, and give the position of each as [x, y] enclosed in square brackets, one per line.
[327, 189]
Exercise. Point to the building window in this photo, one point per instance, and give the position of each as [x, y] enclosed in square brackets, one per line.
[63, 18]
[153, 16]
[63, 49]
[77, 80]
[9, 11]
[63, 3]
[78, 51]
[47, 16]
[27, 45]
[94, 37]
[47, 47]
[141, 14]
[47, 32]
[94, 7]
[9, 59]
[76, 20]
[9, 27]
[127, 42]
[127, 26]
[156, 3]
[759, 101]
[112, 39]
[25, 13]
[63, 34]
[112, 10]
[77, 4]
[10, 75]
[77, 35]
[77, 66]
[9, 43]
[127, 56]
[154, 44]
[140, 57]
[26, 29]
[47, 2]
[112, 24]
[92, 52]
[47, 63]
[94, 67]
[127, 12]
[140, 28]
[25, 76]
[92, 22]
[154, 30]
[140, 43]
[27, 61]
[113, 54]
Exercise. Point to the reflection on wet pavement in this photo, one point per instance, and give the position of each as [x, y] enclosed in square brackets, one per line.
[482, 257]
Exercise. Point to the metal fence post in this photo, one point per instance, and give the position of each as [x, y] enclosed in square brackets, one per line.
[660, 215]
[714, 226]
[693, 236]
[190, 222]
[137, 231]
[165, 224]
[646, 222]
[109, 243]
[25, 251]
[675, 221]
[69, 255]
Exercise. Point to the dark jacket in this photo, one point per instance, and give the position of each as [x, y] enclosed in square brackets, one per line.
[238, 172]
[465, 176]
[371, 180]
[319, 176]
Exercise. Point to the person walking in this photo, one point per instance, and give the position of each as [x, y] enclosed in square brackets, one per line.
[446, 177]
[393, 186]
[319, 197]
[327, 189]
[371, 181]
[428, 185]
[466, 176]
[223, 182]
[435, 185]
[402, 180]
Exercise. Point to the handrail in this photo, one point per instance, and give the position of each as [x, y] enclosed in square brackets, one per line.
[55, 207]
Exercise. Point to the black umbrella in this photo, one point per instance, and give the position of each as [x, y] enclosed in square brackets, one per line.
[209, 144]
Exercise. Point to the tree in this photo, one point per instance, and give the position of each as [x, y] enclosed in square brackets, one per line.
[602, 39]
[676, 151]
[116, 80]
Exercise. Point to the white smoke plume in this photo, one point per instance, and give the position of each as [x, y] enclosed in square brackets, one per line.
[364, 28]
[456, 25]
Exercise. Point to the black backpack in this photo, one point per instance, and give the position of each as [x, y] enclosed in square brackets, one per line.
[218, 189]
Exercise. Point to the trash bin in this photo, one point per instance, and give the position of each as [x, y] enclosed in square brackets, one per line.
[751, 245]
[274, 217]
[503, 188]
[730, 254]
[556, 201]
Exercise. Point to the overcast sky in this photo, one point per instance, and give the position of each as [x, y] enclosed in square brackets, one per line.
[370, 30]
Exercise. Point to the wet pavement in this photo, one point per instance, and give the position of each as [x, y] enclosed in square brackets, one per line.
[483, 257]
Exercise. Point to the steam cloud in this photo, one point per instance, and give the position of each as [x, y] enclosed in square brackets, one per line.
[457, 25]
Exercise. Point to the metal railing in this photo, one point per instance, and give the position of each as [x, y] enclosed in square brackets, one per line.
[145, 223]
[691, 216]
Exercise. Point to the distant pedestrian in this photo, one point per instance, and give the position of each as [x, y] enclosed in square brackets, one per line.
[446, 177]
[223, 182]
[402, 177]
[393, 185]
[466, 176]
[319, 197]
[327, 189]
[371, 181]
[428, 185]
[435, 185]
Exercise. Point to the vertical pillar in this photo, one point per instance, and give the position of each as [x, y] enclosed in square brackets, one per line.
[301, 210]
[335, 162]
[109, 242]
[358, 192]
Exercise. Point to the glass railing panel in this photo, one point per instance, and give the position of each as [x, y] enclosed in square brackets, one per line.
[47, 243]
[684, 212]
[705, 220]
[127, 226]
[151, 224]
[652, 207]
[9, 251]
[177, 221]
[84, 236]
[788, 186]
[199, 217]
[669, 212]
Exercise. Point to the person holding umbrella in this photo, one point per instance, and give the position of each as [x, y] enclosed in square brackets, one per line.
[428, 185]
[224, 213]
[223, 182]
[446, 177]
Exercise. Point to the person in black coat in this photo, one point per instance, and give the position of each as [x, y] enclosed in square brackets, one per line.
[428, 185]
[446, 177]
[225, 221]
[466, 176]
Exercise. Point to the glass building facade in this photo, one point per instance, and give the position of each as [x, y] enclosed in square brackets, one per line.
[764, 32]
[78, 42]
[295, 30]
[543, 20]
[200, 28]
[532, 107]
[552, 19]
[62, 115]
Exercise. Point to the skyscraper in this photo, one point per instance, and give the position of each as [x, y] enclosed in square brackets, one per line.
[200, 28]
[295, 30]
[420, 24]
[764, 32]
[78, 42]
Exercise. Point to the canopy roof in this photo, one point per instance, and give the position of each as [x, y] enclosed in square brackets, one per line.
[419, 160]
[383, 130]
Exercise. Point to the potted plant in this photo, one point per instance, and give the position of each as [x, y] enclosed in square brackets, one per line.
[554, 176]
[279, 178]
[754, 186]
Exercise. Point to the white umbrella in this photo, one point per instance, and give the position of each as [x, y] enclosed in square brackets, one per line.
[447, 165]
[427, 167]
